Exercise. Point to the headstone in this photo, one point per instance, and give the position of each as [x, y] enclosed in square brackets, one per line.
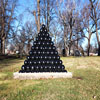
[43, 56]
[64, 52]
[77, 53]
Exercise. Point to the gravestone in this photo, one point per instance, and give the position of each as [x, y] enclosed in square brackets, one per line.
[77, 53]
[63, 52]
[43, 58]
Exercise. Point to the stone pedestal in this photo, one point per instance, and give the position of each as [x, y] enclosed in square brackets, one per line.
[44, 75]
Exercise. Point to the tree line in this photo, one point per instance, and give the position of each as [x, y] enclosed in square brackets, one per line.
[69, 23]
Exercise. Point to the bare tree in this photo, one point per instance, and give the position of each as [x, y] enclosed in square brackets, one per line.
[12, 47]
[30, 34]
[7, 9]
[19, 41]
[69, 18]
[37, 15]
[89, 15]
[64, 26]
[94, 7]
[55, 32]
[48, 11]
[23, 37]
[88, 28]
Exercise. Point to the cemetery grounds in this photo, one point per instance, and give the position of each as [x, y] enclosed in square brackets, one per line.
[85, 84]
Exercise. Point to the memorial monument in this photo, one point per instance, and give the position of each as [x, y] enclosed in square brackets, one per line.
[43, 60]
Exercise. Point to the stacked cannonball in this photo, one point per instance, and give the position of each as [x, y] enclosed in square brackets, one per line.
[43, 56]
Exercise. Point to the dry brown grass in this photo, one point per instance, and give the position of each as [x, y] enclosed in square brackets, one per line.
[85, 84]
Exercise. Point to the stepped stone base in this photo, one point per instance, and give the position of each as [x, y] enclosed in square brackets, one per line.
[44, 75]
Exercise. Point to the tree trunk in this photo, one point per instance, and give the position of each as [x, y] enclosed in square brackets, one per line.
[70, 44]
[98, 39]
[69, 49]
[99, 49]
[44, 13]
[34, 13]
[20, 52]
[82, 50]
[0, 46]
[37, 19]
[64, 50]
[77, 42]
[3, 46]
[71, 28]
[48, 11]
[88, 49]
[28, 46]
[55, 41]
[38, 7]
[65, 46]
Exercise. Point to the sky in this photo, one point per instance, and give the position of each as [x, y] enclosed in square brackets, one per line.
[25, 4]
[22, 10]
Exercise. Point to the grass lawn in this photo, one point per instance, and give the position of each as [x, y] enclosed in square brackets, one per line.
[85, 84]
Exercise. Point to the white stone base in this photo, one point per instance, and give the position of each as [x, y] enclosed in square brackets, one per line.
[44, 75]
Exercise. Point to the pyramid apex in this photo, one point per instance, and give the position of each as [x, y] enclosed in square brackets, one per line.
[43, 26]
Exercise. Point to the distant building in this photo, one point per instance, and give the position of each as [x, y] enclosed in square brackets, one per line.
[7, 51]
[93, 54]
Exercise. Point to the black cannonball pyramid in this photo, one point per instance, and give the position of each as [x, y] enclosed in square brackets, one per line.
[43, 56]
